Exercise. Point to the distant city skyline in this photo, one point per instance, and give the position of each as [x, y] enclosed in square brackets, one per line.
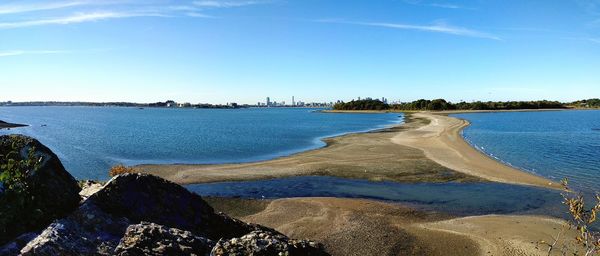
[222, 51]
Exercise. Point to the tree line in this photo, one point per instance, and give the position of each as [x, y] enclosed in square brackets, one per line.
[441, 104]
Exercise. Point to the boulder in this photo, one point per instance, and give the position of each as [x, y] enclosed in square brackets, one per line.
[87, 231]
[142, 197]
[88, 188]
[153, 239]
[266, 243]
[15, 245]
[51, 191]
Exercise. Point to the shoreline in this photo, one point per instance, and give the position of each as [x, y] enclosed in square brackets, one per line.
[368, 227]
[442, 141]
[436, 135]
[369, 156]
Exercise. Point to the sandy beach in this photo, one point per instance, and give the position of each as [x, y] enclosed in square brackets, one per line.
[372, 156]
[366, 227]
[426, 148]
[442, 142]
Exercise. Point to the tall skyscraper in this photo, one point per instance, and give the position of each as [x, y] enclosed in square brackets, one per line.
[293, 101]
[268, 102]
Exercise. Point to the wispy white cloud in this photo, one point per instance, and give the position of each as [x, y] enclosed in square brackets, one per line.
[438, 5]
[451, 6]
[23, 52]
[199, 15]
[48, 13]
[78, 18]
[435, 28]
[225, 4]
[594, 40]
[20, 8]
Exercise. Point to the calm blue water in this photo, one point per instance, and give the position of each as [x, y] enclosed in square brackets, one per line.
[89, 140]
[452, 198]
[554, 144]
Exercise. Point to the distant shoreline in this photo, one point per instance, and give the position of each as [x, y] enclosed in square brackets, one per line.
[448, 112]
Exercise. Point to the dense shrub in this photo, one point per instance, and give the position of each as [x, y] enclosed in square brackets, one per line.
[367, 104]
[120, 169]
[441, 104]
[15, 196]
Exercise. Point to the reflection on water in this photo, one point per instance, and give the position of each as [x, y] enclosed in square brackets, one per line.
[454, 198]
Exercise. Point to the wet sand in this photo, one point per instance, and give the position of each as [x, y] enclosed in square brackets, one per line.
[366, 227]
[442, 142]
[371, 156]
[426, 148]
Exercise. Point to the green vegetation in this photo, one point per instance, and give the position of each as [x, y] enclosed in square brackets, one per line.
[589, 103]
[15, 195]
[367, 104]
[441, 104]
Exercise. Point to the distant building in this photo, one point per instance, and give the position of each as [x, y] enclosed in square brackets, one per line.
[293, 101]
[268, 102]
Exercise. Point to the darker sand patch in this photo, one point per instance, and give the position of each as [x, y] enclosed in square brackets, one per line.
[367, 227]
[358, 227]
[370, 156]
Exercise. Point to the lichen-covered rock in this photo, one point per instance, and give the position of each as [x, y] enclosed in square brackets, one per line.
[87, 231]
[52, 190]
[88, 188]
[153, 239]
[266, 243]
[141, 197]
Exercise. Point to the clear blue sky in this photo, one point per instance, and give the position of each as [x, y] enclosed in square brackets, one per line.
[317, 50]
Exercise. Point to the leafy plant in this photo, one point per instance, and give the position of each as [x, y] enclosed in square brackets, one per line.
[586, 242]
[15, 196]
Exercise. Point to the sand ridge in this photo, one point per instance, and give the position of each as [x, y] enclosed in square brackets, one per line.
[371, 156]
[441, 141]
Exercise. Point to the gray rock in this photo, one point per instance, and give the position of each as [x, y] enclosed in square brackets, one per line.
[153, 239]
[88, 188]
[15, 245]
[141, 197]
[266, 243]
[54, 192]
[87, 231]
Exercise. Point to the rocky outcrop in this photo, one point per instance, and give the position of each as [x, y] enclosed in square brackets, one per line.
[53, 191]
[87, 231]
[139, 214]
[132, 214]
[142, 197]
[265, 243]
[153, 239]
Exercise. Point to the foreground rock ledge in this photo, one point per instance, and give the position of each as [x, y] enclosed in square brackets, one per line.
[137, 214]
[54, 191]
